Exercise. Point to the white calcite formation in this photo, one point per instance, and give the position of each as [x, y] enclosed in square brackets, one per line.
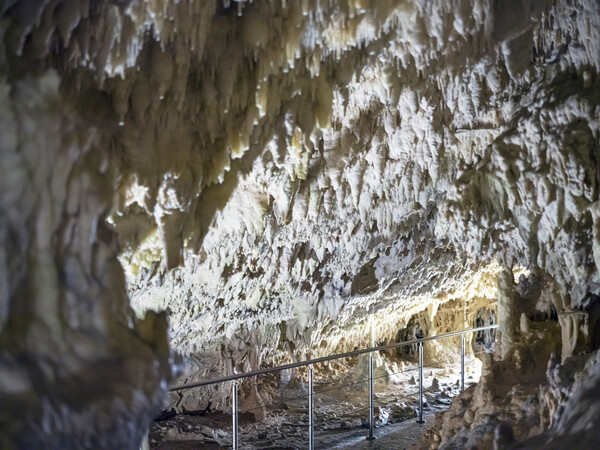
[284, 177]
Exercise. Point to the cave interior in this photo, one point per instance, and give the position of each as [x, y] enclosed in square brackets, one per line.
[194, 189]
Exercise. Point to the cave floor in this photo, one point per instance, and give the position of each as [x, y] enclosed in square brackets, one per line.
[401, 435]
[341, 414]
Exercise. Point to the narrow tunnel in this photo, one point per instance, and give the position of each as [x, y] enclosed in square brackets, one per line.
[197, 190]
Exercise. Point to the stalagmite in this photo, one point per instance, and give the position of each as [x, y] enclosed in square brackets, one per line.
[506, 311]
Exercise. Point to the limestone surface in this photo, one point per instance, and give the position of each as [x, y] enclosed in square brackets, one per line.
[281, 178]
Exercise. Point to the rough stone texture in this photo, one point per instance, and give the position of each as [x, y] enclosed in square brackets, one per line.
[283, 172]
[577, 418]
[509, 390]
[77, 368]
[506, 311]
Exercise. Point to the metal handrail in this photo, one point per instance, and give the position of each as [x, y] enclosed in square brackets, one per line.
[325, 359]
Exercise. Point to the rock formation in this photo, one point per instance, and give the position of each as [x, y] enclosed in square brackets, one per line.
[281, 177]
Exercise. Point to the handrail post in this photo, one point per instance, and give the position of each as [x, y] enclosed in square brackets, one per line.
[420, 383]
[462, 362]
[371, 420]
[234, 413]
[311, 417]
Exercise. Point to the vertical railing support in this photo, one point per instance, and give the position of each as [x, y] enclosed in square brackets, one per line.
[462, 362]
[311, 417]
[420, 383]
[371, 419]
[234, 414]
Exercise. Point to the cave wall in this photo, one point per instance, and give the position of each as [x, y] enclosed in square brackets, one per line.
[272, 174]
[72, 352]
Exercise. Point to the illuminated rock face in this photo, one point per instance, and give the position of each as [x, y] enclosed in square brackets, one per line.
[280, 180]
